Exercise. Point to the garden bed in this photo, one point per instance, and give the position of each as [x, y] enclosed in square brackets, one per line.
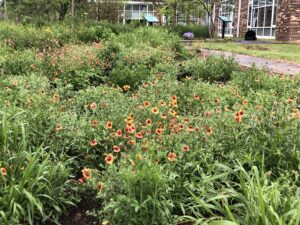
[131, 128]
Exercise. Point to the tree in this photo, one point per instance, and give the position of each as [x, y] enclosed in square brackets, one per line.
[209, 6]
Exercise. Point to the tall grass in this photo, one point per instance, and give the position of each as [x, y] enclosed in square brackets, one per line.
[36, 186]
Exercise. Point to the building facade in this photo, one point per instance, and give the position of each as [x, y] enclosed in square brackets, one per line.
[270, 19]
[135, 11]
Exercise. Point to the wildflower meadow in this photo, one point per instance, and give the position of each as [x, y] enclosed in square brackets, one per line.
[131, 128]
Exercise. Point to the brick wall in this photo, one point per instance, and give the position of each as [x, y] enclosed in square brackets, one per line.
[243, 17]
[288, 20]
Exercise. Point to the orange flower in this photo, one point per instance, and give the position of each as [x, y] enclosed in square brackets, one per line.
[93, 142]
[109, 159]
[139, 135]
[172, 156]
[132, 163]
[217, 100]
[86, 173]
[174, 98]
[238, 119]
[172, 112]
[131, 142]
[15, 83]
[186, 120]
[3, 171]
[162, 103]
[209, 130]
[94, 123]
[155, 110]
[146, 103]
[100, 186]
[241, 113]
[196, 97]
[116, 148]
[190, 129]
[290, 100]
[226, 108]
[159, 131]
[145, 145]
[163, 116]
[126, 87]
[245, 102]
[149, 122]
[93, 105]
[208, 114]
[180, 126]
[130, 129]
[109, 125]
[119, 133]
[186, 148]
[139, 157]
[58, 127]
[56, 97]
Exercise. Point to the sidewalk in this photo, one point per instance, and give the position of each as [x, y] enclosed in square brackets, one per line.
[273, 66]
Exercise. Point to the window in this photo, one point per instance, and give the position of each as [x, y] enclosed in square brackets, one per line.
[227, 11]
[135, 11]
[262, 17]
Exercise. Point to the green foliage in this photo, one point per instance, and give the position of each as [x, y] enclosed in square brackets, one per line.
[122, 76]
[136, 197]
[212, 69]
[199, 31]
[18, 62]
[35, 187]
[113, 115]
[251, 199]
[93, 33]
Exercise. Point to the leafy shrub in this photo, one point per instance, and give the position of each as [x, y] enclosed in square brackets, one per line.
[122, 76]
[18, 63]
[93, 33]
[199, 31]
[136, 197]
[27, 36]
[254, 80]
[212, 69]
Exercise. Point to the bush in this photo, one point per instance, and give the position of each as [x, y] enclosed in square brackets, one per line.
[27, 36]
[138, 196]
[18, 63]
[93, 33]
[133, 77]
[199, 31]
[213, 69]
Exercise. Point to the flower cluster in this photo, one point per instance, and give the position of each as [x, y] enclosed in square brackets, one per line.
[188, 36]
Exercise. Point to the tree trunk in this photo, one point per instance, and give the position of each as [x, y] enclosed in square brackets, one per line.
[175, 14]
[211, 27]
[62, 11]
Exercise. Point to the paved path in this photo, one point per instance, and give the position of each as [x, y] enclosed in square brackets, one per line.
[273, 66]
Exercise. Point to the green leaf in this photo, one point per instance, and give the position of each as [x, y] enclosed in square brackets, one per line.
[222, 222]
